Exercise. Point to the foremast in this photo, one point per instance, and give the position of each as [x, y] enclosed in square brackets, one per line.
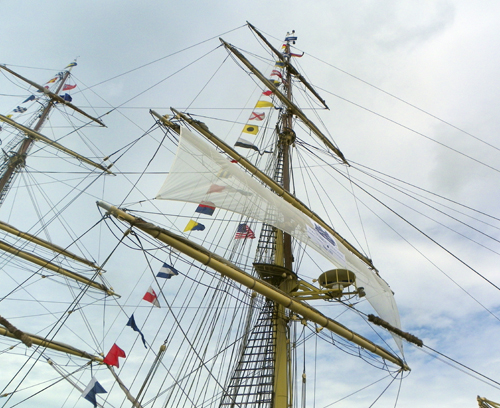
[17, 160]
[12, 165]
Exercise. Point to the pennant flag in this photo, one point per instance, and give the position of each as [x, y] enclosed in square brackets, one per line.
[267, 93]
[246, 144]
[66, 97]
[275, 82]
[112, 356]
[214, 188]
[151, 297]
[131, 323]
[68, 87]
[20, 109]
[280, 64]
[257, 116]
[73, 64]
[167, 271]
[205, 207]
[92, 389]
[275, 72]
[9, 115]
[244, 232]
[194, 226]
[30, 98]
[264, 104]
[297, 55]
[53, 80]
[253, 130]
[291, 38]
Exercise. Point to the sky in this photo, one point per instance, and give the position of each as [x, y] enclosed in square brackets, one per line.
[412, 88]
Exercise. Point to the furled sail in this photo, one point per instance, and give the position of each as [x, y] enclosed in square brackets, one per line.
[200, 173]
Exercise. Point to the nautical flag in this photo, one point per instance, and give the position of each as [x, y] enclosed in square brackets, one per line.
[297, 55]
[253, 130]
[257, 116]
[275, 72]
[92, 389]
[275, 82]
[214, 188]
[246, 144]
[167, 271]
[267, 93]
[112, 356]
[30, 98]
[194, 226]
[68, 87]
[206, 207]
[66, 97]
[73, 64]
[291, 38]
[280, 64]
[20, 109]
[151, 297]
[264, 104]
[243, 232]
[53, 80]
[131, 323]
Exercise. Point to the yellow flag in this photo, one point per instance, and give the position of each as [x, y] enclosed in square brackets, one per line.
[264, 104]
[252, 129]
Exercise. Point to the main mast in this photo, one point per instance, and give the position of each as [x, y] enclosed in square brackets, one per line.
[283, 256]
[263, 376]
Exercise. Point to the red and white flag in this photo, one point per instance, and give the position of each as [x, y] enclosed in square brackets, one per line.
[151, 297]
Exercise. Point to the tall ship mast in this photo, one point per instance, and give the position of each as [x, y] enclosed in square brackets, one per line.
[186, 266]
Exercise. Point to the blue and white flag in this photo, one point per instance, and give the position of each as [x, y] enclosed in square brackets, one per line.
[92, 389]
[167, 271]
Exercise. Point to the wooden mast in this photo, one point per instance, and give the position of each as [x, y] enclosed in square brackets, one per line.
[19, 158]
[284, 258]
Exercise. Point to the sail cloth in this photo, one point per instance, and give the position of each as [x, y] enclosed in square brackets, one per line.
[195, 176]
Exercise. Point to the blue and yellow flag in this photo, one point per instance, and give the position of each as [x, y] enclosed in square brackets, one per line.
[194, 226]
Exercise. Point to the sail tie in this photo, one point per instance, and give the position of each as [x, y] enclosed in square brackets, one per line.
[18, 334]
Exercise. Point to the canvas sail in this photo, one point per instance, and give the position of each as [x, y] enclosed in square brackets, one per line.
[200, 173]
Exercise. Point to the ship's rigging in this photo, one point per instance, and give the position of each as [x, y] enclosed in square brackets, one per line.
[271, 315]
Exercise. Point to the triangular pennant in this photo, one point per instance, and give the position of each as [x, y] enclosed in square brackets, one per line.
[131, 323]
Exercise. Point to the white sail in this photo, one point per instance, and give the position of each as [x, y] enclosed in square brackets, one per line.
[200, 173]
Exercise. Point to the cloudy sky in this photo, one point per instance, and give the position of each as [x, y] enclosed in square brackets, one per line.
[412, 88]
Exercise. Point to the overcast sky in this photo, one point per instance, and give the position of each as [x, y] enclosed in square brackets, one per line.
[439, 56]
